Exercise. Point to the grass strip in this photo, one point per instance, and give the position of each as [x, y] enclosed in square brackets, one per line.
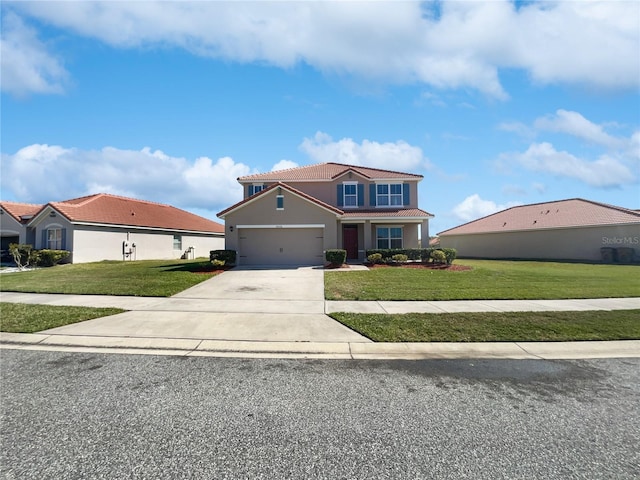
[487, 280]
[28, 318]
[496, 326]
[144, 278]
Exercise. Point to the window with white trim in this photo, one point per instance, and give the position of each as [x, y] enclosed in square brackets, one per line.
[54, 239]
[389, 237]
[258, 187]
[177, 242]
[389, 194]
[350, 195]
[280, 202]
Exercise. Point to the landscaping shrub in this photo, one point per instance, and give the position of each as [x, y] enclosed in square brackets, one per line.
[450, 254]
[375, 258]
[400, 258]
[438, 256]
[413, 254]
[49, 258]
[218, 263]
[336, 256]
[425, 255]
[226, 256]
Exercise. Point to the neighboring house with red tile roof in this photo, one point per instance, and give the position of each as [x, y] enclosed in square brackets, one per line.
[573, 229]
[109, 227]
[293, 216]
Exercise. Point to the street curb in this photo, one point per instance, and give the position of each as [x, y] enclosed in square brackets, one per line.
[333, 350]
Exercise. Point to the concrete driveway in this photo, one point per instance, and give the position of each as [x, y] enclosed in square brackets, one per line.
[252, 304]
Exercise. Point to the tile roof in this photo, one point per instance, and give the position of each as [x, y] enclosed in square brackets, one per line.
[387, 213]
[104, 208]
[281, 185]
[326, 172]
[17, 210]
[359, 213]
[575, 212]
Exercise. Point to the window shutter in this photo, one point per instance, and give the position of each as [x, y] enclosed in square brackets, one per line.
[406, 194]
[250, 190]
[340, 195]
[63, 243]
[44, 238]
[372, 194]
[360, 195]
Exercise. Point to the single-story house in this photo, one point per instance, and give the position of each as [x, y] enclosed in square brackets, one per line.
[109, 227]
[573, 229]
[293, 216]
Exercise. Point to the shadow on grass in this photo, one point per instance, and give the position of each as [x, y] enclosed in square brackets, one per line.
[193, 267]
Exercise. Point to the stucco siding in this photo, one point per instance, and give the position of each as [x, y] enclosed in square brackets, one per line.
[580, 243]
[327, 192]
[10, 227]
[91, 245]
[297, 211]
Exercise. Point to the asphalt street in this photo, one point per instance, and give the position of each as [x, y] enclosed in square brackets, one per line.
[97, 416]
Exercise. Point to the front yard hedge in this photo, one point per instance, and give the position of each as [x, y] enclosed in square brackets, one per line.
[423, 255]
[226, 256]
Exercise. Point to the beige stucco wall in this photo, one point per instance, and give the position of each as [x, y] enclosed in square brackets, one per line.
[327, 191]
[91, 245]
[297, 211]
[581, 243]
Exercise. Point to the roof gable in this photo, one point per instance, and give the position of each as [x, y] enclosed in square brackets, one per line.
[327, 172]
[109, 209]
[19, 210]
[574, 212]
[284, 186]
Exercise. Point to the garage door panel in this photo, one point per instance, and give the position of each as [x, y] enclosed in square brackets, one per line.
[281, 246]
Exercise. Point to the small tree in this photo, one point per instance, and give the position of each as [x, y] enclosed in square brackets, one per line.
[23, 255]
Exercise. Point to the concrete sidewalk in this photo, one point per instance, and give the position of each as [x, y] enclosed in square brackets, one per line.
[282, 313]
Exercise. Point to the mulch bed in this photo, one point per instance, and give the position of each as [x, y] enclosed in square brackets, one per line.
[423, 266]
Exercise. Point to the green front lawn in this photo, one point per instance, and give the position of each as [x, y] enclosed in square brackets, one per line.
[496, 327]
[26, 318]
[148, 278]
[488, 279]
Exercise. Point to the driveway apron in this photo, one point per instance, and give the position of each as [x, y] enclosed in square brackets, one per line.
[252, 304]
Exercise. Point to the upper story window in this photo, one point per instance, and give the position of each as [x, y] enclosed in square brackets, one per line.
[389, 194]
[255, 188]
[350, 194]
[280, 202]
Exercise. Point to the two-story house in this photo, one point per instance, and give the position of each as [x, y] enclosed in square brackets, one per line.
[292, 216]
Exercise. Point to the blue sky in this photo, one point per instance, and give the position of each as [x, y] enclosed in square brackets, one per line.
[496, 103]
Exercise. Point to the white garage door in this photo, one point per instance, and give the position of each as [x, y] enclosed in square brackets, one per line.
[281, 246]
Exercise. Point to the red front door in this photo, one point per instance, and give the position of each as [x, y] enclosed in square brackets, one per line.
[350, 241]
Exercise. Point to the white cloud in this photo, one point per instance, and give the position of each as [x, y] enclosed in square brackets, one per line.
[283, 165]
[43, 173]
[26, 65]
[396, 156]
[606, 171]
[474, 207]
[518, 128]
[573, 123]
[462, 45]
